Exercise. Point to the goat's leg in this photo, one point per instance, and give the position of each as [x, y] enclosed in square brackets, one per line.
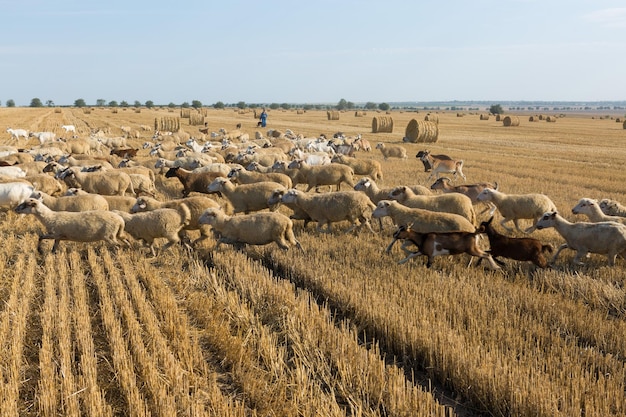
[563, 246]
[409, 257]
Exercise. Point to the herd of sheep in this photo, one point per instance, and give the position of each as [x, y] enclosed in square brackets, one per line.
[100, 189]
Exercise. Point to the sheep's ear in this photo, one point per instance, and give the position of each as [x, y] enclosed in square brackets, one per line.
[488, 222]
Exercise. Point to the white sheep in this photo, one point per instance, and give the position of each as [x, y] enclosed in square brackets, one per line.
[160, 223]
[12, 171]
[316, 175]
[86, 226]
[392, 151]
[327, 208]
[369, 167]
[111, 182]
[591, 209]
[182, 162]
[43, 137]
[242, 176]
[606, 238]
[454, 203]
[196, 204]
[513, 207]
[116, 202]
[251, 229]
[83, 202]
[612, 207]
[245, 197]
[13, 193]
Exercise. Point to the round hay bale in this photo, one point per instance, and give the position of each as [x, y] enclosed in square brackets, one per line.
[484, 117]
[509, 121]
[430, 117]
[382, 124]
[618, 120]
[299, 111]
[421, 131]
[359, 113]
[332, 115]
[533, 118]
[551, 119]
[498, 117]
[460, 115]
[624, 125]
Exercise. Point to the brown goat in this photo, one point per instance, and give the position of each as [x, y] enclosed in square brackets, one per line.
[517, 248]
[192, 181]
[440, 243]
[125, 153]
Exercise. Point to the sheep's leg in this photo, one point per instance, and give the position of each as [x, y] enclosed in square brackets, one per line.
[533, 227]
[563, 246]
[516, 223]
[507, 228]
[409, 257]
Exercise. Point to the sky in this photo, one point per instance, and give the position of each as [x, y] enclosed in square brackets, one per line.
[315, 51]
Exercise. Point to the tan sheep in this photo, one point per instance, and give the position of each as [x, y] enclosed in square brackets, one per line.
[316, 175]
[369, 167]
[116, 202]
[242, 176]
[448, 203]
[246, 197]
[392, 151]
[72, 203]
[421, 220]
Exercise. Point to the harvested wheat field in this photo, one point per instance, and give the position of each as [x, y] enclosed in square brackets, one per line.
[338, 329]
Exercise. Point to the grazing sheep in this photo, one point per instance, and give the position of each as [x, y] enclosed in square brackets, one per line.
[275, 201]
[333, 207]
[517, 206]
[241, 176]
[251, 229]
[392, 151]
[517, 248]
[111, 182]
[333, 174]
[612, 208]
[448, 203]
[591, 208]
[369, 167]
[607, 238]
[83, 202]
[86, 226]
[160, 223]
[116, 202]
[13, 193]
[440, 243]
[196, 204]
[191, 181]
[421, 220]
[245, 197]
[470, 190]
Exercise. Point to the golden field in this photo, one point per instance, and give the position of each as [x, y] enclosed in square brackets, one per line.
[336, 330]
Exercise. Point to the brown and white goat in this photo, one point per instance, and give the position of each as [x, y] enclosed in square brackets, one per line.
[440, 164]
[440, 243]
[470, 190]
[517, 248]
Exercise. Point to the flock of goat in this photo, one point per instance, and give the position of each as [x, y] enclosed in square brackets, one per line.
[254, 175]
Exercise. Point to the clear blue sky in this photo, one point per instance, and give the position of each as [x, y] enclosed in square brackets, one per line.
[318, 51]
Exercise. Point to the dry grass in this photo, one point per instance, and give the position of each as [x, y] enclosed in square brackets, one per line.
[341, 327]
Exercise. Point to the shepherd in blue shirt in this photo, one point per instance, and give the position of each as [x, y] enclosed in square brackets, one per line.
[263, 118]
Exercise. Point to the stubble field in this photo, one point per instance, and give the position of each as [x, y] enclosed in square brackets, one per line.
[336, 330]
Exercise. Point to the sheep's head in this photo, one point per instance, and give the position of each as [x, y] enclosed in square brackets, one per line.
[584, 205]
[28, 206]
[485, 195]
[209, 216]
[363, 184]
[217, 185]
[290, 196]
[382, 208]
[547, 220]
[172, 172]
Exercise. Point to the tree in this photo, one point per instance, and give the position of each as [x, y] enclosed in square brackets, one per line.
[10, 103]
[185, 105]
[137, 103]
[113, 103]
[36, 103]
[196, 104]
[342, 105]
[307, 107]
[384, 106]
[285, 106]
[171, 105]
[370, 105]
[496, 109]
[100, 102]
[79, 103]
[149, 104]
[241, 105]
[274, 106]
[49, 103]
[219, 105]
[123, 103]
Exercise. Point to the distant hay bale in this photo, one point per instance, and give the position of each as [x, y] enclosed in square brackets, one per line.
[382, 124]
[359, 113]
[618, 120]
[184, 113]
[542, 117]
[460, 114]
[255, 115]
[551, 119]
[167, 124]
[624, 125]
[421, 131]
[509, 121]
[114, 110]
[498, 117]
[137, 110]
[484, 117]
[533, 118]
[332, 115]
[57, 110]
[86, 111]
[299, 111]
[196, 119]
[430, 117]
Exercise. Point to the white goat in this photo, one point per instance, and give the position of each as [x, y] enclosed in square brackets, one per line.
[16, 133]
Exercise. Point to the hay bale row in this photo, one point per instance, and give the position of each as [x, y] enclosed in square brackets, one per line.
[509, 121]
[167, 124]
[484, 117]
[196, 119]
[332, 115]
[421, 131]
[430, 117]
[382, 124]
